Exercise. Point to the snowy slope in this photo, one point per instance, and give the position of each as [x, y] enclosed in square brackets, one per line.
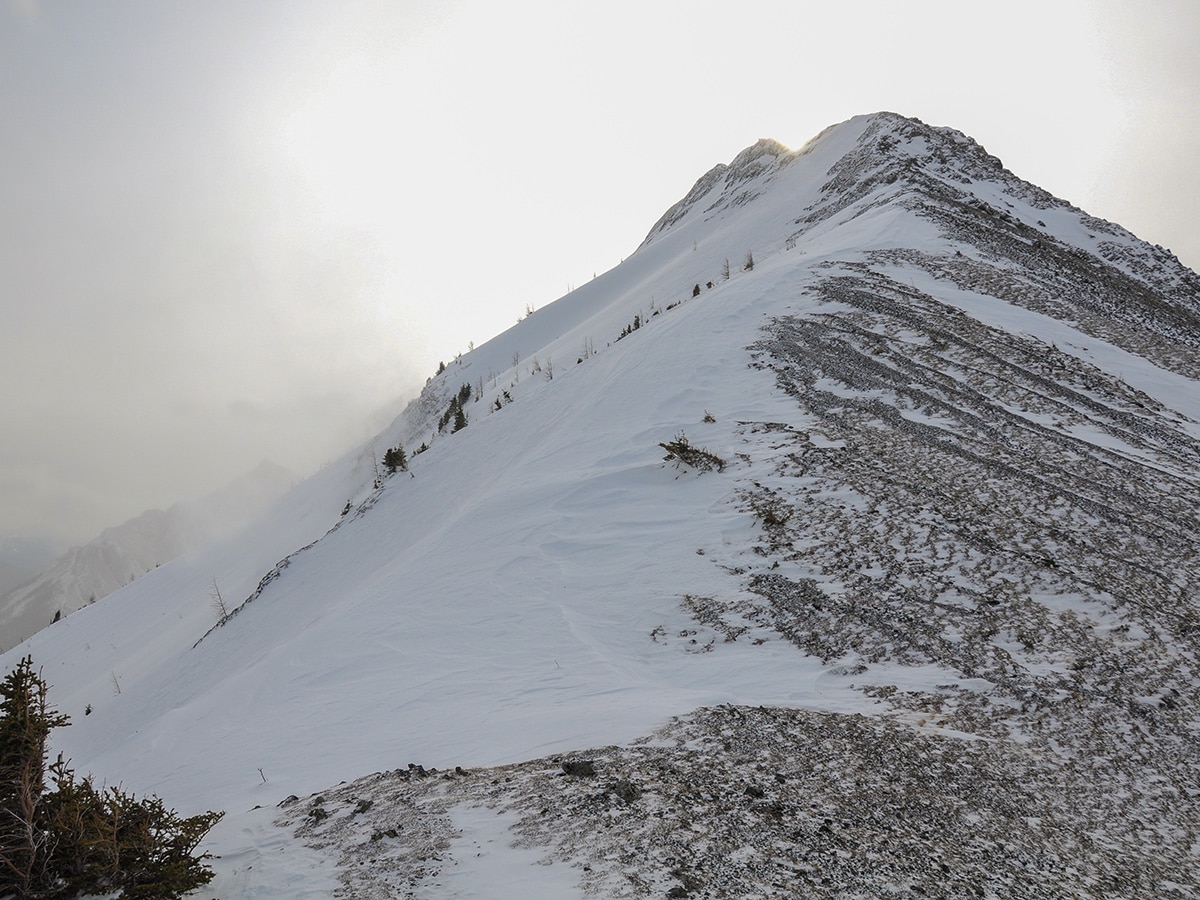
[959, 422]
[124, 552]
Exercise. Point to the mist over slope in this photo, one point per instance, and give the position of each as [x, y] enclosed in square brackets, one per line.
[926, 621]
[23, 558]
[124, 552]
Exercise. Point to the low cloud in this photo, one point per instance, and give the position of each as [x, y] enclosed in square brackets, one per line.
[25, 10]
[1150, 181]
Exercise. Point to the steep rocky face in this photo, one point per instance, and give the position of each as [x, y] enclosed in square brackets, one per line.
[1031, 249]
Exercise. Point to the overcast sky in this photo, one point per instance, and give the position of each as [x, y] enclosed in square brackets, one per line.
[234, 230]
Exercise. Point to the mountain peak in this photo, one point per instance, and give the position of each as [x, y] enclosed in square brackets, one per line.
[756, 161]
[761, 154]
[858, 154]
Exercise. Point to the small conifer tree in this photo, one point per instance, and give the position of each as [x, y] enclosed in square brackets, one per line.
[77, 840]
[395, 459]
[26, 719]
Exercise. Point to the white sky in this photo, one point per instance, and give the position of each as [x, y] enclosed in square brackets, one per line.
[233, 230]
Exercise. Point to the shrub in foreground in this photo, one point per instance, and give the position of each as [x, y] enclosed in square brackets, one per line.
[77, 839]
[682, 451]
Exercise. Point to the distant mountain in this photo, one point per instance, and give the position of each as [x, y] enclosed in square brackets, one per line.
[22, 558]
[843, 541]
[124, 552]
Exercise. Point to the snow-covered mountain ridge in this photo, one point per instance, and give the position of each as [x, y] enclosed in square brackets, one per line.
[931, 629]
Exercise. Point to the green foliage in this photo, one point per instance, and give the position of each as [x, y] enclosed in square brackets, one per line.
[631, 327]
[77, 840]
[684, 452]
[395, 460]
[26, 718]
[25, 721]
[109, 840]
[454, 412]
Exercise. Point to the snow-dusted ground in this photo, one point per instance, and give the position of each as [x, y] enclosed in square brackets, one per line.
[544, 582]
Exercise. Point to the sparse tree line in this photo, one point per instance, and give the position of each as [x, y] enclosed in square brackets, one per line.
[455, 412]
[455, 416]
[639, 320]
[69, 838]
[395, 459]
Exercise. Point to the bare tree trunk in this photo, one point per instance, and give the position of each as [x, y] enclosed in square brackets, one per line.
[24, 845]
